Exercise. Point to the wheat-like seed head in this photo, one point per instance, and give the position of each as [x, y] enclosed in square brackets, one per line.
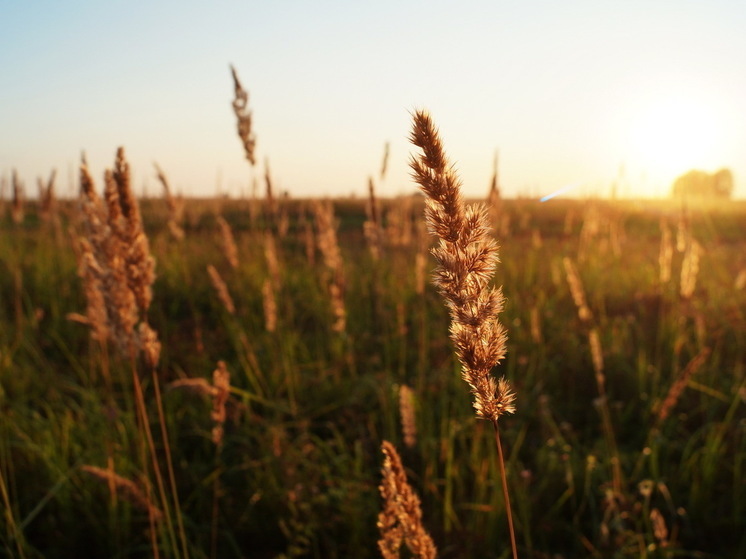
[221, 289]
[116, 264]
[401, 517]
[467, 257]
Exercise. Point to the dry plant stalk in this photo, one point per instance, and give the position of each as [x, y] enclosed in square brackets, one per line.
[222, 289]
[221, 382]
[407, 413]
[589, 231]
[270, 254]
[243, 117]
[690, 269]
[47, 199]
[309, 242]
[372, 227]
[126, 487]
[674, 393]
[270, 306]
[196, 385]
[494, 200]
[175, 206]
[576, 289]
[666, 254]
[420, 261]
[228, 241]
[400, 222]
[385, 161]
[270, 285]
[326, 238]
[269, 196]
[598, 359]
[467, 257]
[16, 208]
[535, 319]
[401, 517]
[219, 391]
[683, 230]
[115, 263]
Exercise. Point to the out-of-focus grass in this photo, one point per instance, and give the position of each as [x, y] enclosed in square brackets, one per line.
[300, 464]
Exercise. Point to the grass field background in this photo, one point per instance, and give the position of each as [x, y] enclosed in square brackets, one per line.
[298, 471]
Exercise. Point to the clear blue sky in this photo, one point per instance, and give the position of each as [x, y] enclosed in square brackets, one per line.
[569, 92]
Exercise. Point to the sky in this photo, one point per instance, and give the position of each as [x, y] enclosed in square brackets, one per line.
[576, 95]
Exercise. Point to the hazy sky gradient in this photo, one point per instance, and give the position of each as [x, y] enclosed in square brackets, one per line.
[569, 92]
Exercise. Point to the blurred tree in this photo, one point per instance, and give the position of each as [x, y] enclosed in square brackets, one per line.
[700, 183]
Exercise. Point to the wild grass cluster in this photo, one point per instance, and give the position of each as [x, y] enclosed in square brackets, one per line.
[267, 377]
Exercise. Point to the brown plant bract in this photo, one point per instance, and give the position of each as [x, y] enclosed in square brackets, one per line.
[401, 517]
[467, 257]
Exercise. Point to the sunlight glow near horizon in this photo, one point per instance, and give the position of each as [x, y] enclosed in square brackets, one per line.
[569, 93]
[676, 135]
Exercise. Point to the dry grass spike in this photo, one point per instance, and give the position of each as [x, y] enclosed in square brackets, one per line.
[467, 257]
[244, 118]
[400, 520]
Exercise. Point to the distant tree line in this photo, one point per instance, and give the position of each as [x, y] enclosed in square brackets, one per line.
[702, 184]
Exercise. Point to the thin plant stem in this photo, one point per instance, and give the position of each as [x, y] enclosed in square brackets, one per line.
[145, 424]
[506, 493]
[169, 462]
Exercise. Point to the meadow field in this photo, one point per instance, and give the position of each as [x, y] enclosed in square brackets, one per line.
[297, 335]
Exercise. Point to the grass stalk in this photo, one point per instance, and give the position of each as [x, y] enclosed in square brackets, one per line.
[467, 257]
[506, 492]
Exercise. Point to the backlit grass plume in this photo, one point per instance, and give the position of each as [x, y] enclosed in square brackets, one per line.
[400, 520]
[116, 264]
[467, 257]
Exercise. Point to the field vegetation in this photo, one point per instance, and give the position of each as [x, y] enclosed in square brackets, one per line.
[295, 337]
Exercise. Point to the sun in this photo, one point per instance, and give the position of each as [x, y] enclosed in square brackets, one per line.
[673, 136]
